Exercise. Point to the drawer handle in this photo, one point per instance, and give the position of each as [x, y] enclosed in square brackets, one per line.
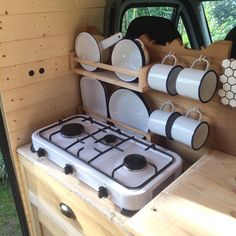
[66, 211]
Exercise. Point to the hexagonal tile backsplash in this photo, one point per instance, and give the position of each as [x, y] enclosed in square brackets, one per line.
[228, 79]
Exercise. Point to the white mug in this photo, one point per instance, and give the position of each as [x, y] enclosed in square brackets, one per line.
[163, 77]
[94, 48]
[197, 84]
[160, 121]
[191, 132]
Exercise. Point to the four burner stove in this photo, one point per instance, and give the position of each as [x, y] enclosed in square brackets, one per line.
[129, 170]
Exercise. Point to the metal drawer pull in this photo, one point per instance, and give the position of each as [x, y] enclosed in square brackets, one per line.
[66, 211]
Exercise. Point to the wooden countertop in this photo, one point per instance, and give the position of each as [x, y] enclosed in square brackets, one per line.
[89, 195]
[201, 202]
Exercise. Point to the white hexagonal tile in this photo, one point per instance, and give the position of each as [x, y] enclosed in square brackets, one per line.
[226, 87]
[233, 64]
[223, 79]
[225, 63]
[235, 73]
[229, 95]
[221, 93]
[232, 103]
[229, 72]
[225, 101]
[233, 88]
[232, 80]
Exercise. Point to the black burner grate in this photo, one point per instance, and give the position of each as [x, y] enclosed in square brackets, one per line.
[109, 139]
[72, 130]
[135, 162]
[104, 128]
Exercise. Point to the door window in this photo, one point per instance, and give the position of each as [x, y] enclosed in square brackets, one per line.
[160, 11]
[182, 30]
[221, 17]
[132, 13]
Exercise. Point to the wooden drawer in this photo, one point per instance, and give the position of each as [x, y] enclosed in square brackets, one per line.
[47, 192]
[49, 222]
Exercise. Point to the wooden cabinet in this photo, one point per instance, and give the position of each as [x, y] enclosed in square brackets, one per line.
[46, 197]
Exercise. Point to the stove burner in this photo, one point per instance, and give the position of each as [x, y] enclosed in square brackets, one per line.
[109, 139]
[135, 162]
[72, 130]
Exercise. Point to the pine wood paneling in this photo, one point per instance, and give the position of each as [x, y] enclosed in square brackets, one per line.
[30, 95]
[48, 24]
[23, 51]
[11, 7]
[35, 114]
[18, 76]
[23, 136]
[39, 34]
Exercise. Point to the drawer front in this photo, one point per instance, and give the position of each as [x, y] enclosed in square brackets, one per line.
[49, 222]
[87, 220]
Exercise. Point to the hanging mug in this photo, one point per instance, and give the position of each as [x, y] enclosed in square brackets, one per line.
[94, 48]
[189, 131]
[197, 84]
[163, 77]
[160, 121]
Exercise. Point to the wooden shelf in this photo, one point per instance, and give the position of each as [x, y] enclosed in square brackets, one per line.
[106, 73]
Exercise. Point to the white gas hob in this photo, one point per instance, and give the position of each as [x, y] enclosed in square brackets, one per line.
[128, 170]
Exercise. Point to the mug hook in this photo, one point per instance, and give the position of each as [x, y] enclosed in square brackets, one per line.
[169, 55]
[168, 103]
[195, 110]
[200, 59]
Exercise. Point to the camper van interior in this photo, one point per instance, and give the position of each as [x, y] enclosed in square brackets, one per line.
[118, 116]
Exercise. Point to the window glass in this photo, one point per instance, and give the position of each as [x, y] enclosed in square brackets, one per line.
[221, 17]
[133, 13]
[182, 30]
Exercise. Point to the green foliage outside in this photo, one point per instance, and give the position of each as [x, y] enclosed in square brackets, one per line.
[3, 172]
[9, 224]
[221, 17]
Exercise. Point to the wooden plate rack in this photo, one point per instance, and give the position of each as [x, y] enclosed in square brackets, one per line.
[107, 73]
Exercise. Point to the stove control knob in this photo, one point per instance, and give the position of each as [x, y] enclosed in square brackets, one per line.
[102, 192]
[41, 152]
[32, 148]
[68, 169]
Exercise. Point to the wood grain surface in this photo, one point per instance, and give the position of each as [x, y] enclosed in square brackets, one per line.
[200, 202]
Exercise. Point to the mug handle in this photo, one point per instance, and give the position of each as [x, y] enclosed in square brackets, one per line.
[195, 110]
[170, 55]
[200, 59]
[168, 103]
[106, 43]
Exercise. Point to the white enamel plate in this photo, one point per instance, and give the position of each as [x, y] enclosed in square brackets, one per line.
[127, 54]
[86, 47]
[129, 108]
[93, 95]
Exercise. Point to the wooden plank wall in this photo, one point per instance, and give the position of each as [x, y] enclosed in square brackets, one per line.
[36, 84]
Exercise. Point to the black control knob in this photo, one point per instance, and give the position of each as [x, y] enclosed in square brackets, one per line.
[102, 192]
[41, 152]
[32, 148]
[68, 169]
